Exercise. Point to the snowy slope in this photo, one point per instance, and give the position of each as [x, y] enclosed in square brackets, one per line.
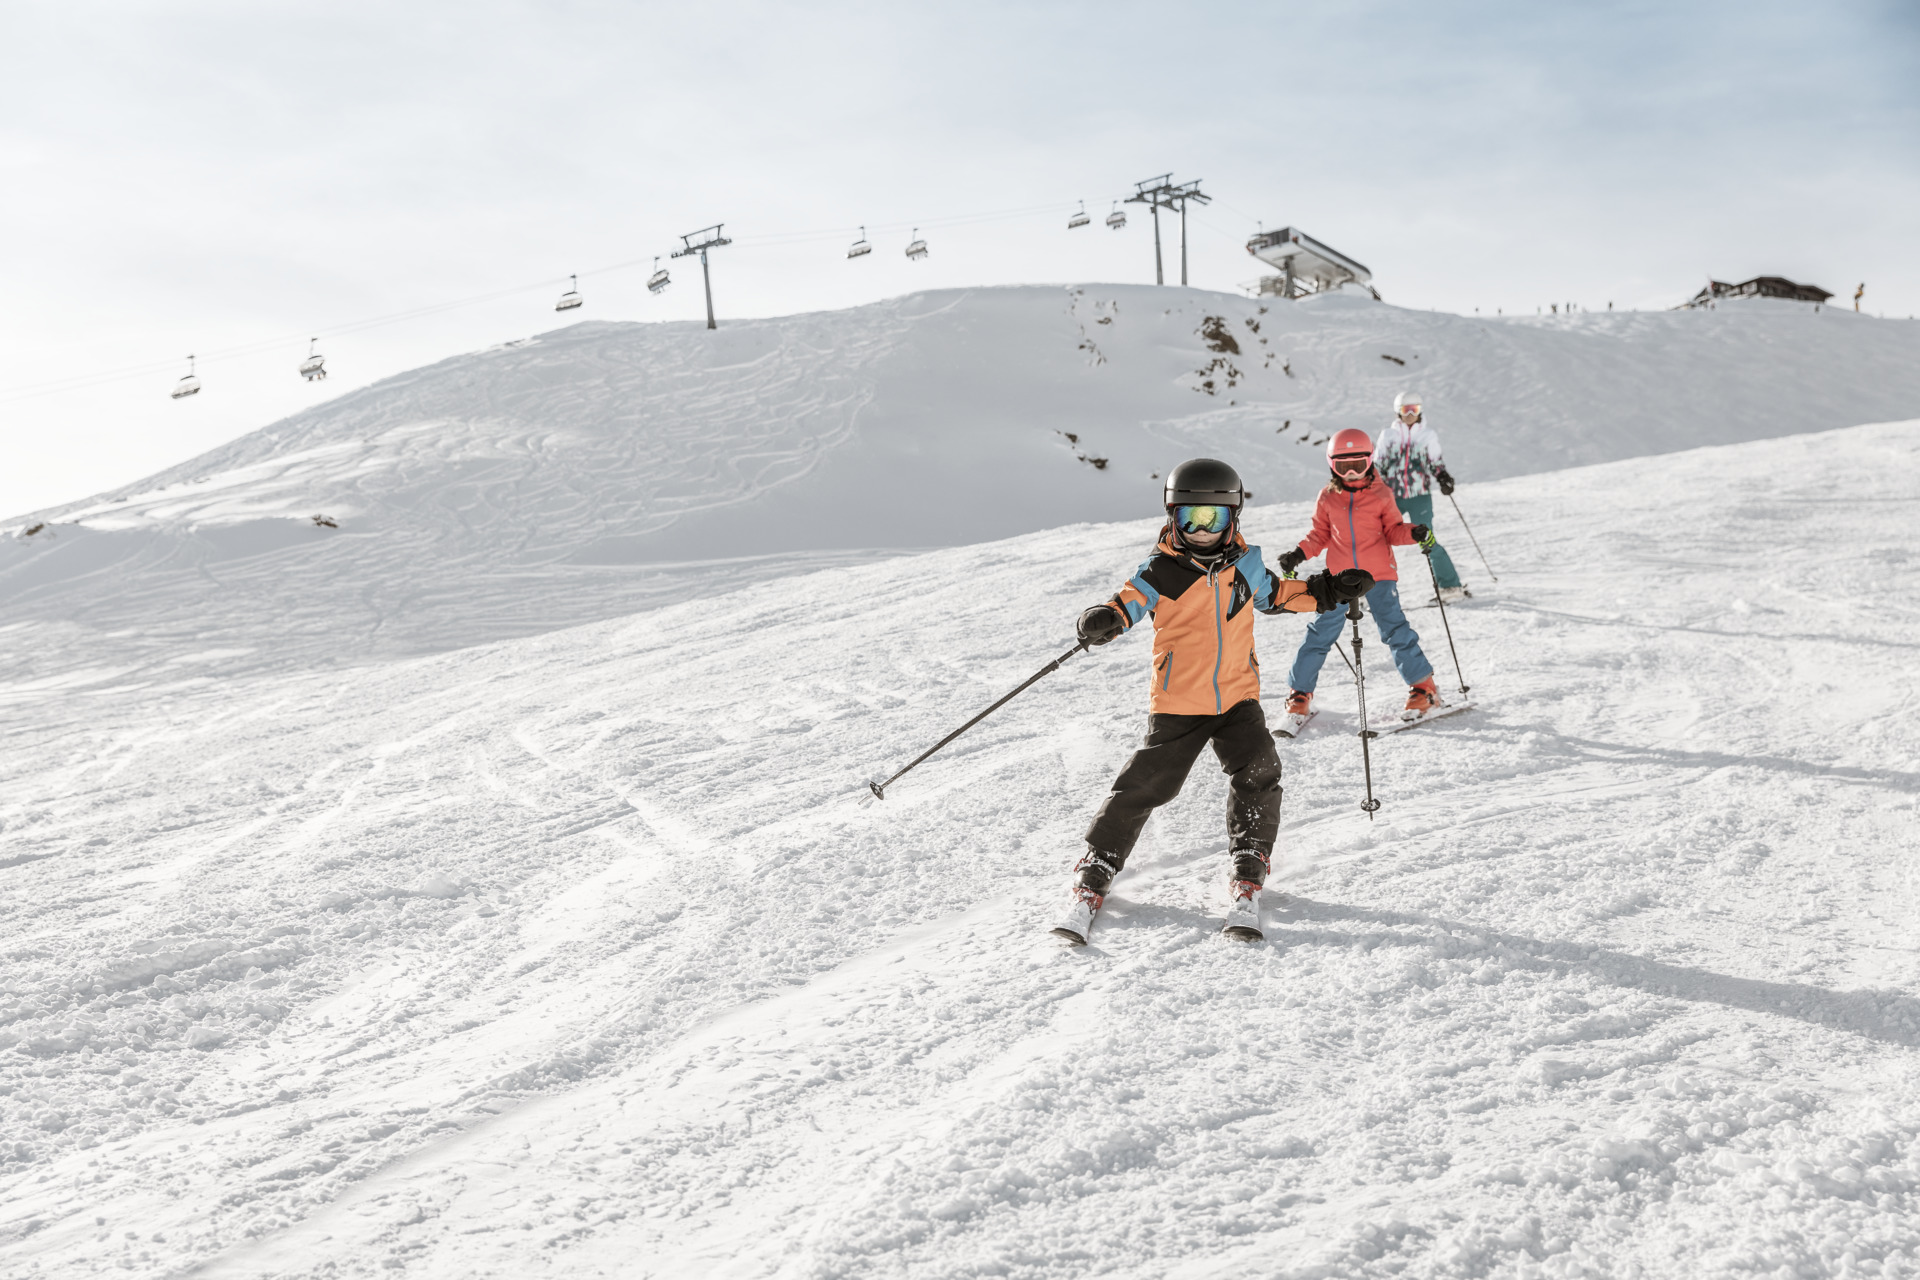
[604, 468]
[576, 954]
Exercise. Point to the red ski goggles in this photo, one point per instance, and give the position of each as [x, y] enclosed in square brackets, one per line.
[1352, 464]
[1203, 519]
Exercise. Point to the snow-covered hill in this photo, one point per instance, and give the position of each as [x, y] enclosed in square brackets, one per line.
[576, 955]
[604, 468]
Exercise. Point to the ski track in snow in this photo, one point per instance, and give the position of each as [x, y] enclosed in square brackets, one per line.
[578, 954]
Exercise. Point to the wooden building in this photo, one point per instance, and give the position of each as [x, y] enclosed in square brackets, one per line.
[1758, 287]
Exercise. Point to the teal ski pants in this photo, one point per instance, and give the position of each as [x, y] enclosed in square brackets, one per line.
[1419, 509]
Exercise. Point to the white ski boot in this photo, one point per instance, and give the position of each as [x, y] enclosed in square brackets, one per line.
[1076, 923]
[1299, 711]
[1243, 911]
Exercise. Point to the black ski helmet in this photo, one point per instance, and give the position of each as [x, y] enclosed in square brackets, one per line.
[1204, 482]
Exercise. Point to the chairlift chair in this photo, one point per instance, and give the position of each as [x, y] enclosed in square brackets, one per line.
[659, 279]
[1118, 218]
[571, 298]
[860, 248]
[187, 386]
[1079, 219]
[314, 367]
[916, 248]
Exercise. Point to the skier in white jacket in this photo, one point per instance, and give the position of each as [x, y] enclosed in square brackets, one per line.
[1407, 456]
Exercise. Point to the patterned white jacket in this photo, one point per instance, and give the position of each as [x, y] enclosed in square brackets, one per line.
[1408, 458]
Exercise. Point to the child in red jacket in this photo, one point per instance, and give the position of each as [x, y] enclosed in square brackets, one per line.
[1358, 524]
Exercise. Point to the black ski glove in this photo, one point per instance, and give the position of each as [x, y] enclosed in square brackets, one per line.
[1423, 537]
[1291, 560]
[1099, 624]
[1446, 482]
[1331, 590]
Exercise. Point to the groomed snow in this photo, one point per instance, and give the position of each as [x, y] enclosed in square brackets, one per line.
[601, 469]
[577, 955]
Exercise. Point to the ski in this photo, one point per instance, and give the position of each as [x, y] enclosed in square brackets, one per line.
[1439, 713]
[1290, 730]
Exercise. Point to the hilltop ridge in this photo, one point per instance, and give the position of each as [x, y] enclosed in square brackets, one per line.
[607, 467]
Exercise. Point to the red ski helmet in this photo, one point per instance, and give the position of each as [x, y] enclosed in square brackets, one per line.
[1351, 442]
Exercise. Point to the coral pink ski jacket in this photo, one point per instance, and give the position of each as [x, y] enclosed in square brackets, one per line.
[1358, 529]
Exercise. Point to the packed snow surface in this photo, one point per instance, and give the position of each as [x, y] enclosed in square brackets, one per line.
[604, 468]
[578, 955]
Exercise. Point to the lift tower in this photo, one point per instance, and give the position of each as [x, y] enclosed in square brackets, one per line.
[1163, 193]
[709, 238]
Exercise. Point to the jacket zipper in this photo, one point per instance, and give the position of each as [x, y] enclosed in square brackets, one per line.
[1353, 539]
[1219, 640]
[1166, 672]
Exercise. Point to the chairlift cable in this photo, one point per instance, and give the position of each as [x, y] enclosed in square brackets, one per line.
[81, 382]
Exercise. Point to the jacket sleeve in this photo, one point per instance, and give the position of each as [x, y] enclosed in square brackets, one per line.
[1383, 450]
[1271, 593]
[1435, 463]
[1321, 535]
[1138, 597]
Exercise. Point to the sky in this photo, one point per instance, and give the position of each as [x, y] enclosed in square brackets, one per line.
[231, 179]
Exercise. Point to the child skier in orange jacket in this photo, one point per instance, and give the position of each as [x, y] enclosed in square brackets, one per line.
[1358, 524]
[1197, 586]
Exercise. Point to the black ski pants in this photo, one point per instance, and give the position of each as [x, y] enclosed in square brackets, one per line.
[1158, 770]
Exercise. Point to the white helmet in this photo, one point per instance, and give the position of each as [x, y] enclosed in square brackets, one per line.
[1406, 398]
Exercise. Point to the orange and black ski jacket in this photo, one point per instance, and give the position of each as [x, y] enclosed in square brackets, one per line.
[1203, 660]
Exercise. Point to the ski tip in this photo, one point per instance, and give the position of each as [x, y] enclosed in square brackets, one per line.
[1242, 933]
[1069, 937]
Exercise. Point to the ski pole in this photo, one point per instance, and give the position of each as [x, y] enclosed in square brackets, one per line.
[880, 788]
[1474, 540]
[1360, 684]
[1439, 600]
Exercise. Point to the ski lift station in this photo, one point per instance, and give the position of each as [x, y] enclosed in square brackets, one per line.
[1306, 265]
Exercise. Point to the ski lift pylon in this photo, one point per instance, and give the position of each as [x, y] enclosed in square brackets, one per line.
[659, 279]
[314, 367]
[860, 248]
[187, 386]
[571, 298]
[1079, 219]
[916, 247]
[1118, 218]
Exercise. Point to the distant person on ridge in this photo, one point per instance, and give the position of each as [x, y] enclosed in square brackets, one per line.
[1196, 586]
[1357, 524]
[1407, 457]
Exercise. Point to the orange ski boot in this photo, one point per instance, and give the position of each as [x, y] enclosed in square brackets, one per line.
[1421, 698]
[1299, 711]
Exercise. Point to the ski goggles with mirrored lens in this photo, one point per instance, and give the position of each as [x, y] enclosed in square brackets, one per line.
[1208, 519]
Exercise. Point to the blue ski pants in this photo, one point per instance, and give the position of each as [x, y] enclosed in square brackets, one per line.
[1397, 633]
[1419, 509]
